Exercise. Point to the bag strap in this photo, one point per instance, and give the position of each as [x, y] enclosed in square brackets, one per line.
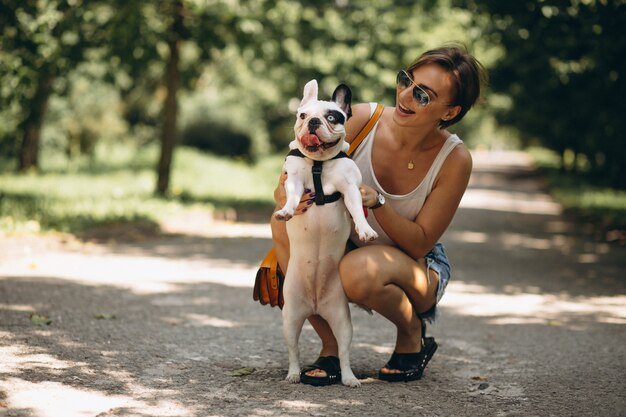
[366, 129]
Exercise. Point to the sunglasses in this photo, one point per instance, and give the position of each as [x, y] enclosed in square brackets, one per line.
[403, 80]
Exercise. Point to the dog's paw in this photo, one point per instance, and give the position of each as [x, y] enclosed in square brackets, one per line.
[367, 234]
[283, 215]
[293, 378]
[350, 381]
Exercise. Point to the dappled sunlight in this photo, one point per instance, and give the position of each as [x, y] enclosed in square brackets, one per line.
[513, 240]
[523, 307]
[53, 399]
[200, 320]
[467, 236]
[347, 402]
[300, 405]
[17, 307]
[510, 201]
[141, 274]
[584, 252]
[180, 301]
[212, 228]
[374, 348]
[15, 359]
[587, 258]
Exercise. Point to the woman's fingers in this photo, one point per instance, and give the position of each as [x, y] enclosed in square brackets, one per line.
[282, 179]
[368, 195]
[307, 200]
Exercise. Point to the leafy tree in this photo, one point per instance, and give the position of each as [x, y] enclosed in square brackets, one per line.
[148, 42]
[41, 41]
[362, 43]
[564, 71]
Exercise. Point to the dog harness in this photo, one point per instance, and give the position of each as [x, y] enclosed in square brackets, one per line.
[320, 198]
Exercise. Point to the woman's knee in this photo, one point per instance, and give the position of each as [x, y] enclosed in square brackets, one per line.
[358, 279]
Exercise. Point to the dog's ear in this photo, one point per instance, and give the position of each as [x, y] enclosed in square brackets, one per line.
[343, 97]
[310, 93]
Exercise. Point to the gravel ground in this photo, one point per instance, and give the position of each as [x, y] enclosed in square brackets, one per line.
[533, 322]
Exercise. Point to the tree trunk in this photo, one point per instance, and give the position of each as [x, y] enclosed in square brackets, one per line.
[170, 109]
[31, 126]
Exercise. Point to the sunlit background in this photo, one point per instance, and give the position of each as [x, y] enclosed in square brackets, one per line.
[123, 100]
[127, 127]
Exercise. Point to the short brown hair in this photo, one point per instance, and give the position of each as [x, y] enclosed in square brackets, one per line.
[468, 75]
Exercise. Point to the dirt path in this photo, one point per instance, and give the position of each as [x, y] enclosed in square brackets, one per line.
[533, 322]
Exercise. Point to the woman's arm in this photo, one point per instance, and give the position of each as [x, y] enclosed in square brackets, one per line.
[418, 237]
[280, 239]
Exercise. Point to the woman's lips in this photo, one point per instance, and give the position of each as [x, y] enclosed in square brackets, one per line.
[403, 110]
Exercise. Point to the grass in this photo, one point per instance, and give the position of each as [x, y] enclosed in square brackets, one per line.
[603, 206]
[118, 186]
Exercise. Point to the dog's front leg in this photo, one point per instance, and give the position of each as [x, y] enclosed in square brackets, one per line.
[293, 320]
[354, 204]
[294, 188]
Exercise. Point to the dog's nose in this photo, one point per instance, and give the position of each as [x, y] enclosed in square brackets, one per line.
[314, 123]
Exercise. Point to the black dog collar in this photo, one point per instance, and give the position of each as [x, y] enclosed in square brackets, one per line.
[320, 198]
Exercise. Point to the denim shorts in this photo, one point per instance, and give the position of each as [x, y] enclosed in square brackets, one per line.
[437, 260]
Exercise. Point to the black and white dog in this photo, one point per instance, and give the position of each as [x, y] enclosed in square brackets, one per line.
[318, 237]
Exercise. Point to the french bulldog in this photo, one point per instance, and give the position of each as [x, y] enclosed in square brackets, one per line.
[317, 238]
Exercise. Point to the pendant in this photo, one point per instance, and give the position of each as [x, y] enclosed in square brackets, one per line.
[410, 165]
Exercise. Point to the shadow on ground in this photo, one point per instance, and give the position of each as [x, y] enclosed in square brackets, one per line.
[532, 323]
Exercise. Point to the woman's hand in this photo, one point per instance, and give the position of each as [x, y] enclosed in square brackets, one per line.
[368, 195]
[280, 196]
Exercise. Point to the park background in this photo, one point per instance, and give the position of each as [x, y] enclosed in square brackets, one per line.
[116, 111]
[133, 133]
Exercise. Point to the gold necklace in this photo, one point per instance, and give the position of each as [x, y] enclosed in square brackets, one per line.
[410, 165]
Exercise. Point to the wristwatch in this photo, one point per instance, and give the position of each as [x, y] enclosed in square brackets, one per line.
[380, 201]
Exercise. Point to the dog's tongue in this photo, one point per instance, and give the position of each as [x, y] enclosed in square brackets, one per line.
[310, 139]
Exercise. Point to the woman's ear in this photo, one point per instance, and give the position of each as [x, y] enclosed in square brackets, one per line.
[451, 113]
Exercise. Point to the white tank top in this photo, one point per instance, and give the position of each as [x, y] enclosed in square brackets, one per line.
[407, 205]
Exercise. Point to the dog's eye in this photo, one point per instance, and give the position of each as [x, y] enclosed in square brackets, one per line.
[335, 117]
[303, 116]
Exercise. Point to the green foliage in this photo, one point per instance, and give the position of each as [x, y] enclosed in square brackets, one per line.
[283, 44]
[40, 42]
[241, 71]
[563, 70]
[202, 177]
[208, 122]
[605, 207]
[89, 113]
[117, 187]
[251, 58]
[217, 138]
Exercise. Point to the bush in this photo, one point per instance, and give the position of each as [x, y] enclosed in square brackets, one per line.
[219, 139]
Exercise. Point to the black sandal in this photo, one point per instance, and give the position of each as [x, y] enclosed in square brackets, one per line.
[328, 364]
[411, 365]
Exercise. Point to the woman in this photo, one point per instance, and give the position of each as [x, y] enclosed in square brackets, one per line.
[415, 173]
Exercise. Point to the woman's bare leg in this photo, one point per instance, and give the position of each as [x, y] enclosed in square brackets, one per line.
[393, 284]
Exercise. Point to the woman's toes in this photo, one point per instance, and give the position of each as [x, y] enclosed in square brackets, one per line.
[386, 370]
[316, 373]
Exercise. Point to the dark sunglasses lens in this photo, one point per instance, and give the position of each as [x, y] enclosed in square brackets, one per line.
[403, 80]
[420, 96]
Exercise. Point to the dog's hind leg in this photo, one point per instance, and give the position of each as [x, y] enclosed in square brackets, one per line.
[293, 320]
[341, 325]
